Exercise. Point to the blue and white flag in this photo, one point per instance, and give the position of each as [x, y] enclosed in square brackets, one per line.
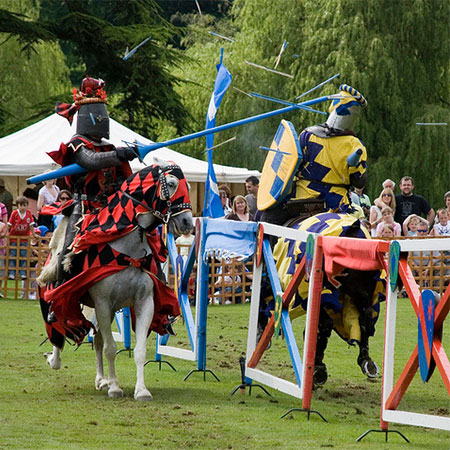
[212, 207]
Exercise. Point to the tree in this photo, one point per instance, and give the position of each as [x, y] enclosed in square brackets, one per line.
[96, 34]
[30, 81]
[395, 53]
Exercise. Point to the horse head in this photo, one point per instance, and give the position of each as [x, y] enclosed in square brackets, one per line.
[160, 192]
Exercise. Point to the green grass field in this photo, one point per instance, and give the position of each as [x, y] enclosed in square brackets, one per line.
[46, 409]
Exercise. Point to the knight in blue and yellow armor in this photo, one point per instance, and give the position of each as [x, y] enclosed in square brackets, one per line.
[324, 176]
[331, 159]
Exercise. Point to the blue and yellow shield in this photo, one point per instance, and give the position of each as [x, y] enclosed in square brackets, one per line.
[280, 166]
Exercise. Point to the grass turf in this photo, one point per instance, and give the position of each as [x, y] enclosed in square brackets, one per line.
[46, 409]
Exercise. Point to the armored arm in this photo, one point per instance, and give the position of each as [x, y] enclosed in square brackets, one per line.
[91, 160]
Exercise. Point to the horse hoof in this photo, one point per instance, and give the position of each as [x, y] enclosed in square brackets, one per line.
[320, 375]
[101, 383]
[143, 396]
[115, 393]
[370, 368]
[53, 362]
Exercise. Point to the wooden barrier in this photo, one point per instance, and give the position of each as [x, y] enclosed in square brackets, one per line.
[430, 268]
[21, 261]
[393, 393]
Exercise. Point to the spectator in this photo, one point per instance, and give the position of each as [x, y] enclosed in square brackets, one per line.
[386, 198]
[226, 280]
[421, 259]
[359, 198]
[20, 224]
[388, 219]
[388, 184]
[442, 228]
[3, 231]
[387, 231]
[32, 196]
[252, 185]
[48, 194]
[63, 197]
[422, 229]
[239, 210]
[5, 197]
[447, 201]
[224, 187]
[184, 242]
[224, 199]
[412, 223]
[409, 203]
[3, 214]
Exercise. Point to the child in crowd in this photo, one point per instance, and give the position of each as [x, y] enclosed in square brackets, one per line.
[226, 279]
[21, 223]
[185, 242]
[412, 223]
[387, 231]
[442, 228]
[388, 219]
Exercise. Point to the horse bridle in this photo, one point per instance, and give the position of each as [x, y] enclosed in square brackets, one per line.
[171, 209]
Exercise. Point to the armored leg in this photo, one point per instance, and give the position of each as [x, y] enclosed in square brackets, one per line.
[68, 239]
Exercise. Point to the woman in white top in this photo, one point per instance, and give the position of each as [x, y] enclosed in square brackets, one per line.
[48, 194]
[386, 198]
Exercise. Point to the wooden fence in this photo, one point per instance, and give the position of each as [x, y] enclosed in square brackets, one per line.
[21, 261]
[229, 282]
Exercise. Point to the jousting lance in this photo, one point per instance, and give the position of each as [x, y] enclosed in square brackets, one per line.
[74, 169]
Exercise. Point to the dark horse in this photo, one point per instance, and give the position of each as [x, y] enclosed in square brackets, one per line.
[350, 309]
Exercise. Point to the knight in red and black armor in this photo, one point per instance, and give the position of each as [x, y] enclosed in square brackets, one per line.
[107, 165]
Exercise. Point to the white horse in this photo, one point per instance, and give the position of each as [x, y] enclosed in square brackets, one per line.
[133, 287]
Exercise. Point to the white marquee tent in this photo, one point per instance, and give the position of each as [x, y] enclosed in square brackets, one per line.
[24, 153]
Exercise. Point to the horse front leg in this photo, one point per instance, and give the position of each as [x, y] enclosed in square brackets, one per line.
[54, 358]
[144, 316]
[365, 362]
[100, 381]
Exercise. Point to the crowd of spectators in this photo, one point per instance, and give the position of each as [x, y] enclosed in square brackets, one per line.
[399, 214]
[24, 221]
[390, 215]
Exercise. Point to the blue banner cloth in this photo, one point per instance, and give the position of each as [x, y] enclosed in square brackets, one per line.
[212, 206]
[228, 239]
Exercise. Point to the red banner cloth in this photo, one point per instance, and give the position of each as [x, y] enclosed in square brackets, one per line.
[352, 253]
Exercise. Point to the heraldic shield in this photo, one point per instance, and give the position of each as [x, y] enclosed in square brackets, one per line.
[280, 167]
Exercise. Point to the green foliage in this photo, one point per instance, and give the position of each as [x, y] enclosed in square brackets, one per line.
[395, 53]
[95, 35]
[32, 82]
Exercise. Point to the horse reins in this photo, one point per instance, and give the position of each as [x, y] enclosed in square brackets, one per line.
[171, 210]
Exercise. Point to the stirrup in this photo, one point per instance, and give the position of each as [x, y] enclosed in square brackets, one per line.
[51, 318]
[168, 326]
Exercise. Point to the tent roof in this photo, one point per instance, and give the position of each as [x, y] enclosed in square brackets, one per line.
[23, 153]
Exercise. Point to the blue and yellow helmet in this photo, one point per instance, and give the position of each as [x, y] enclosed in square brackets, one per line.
[345, 109]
